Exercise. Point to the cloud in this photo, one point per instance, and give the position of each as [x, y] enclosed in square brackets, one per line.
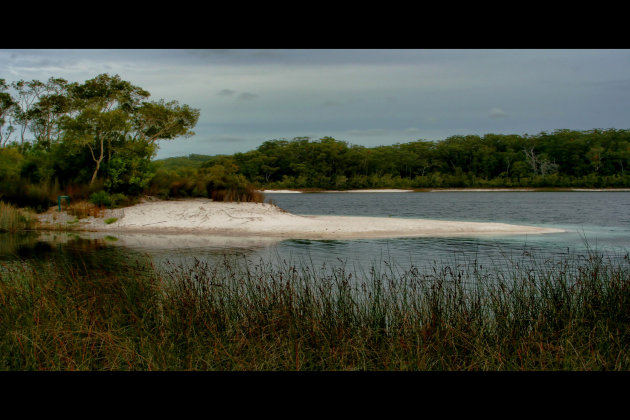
[220, 139]
[230, 139]
[226, 92]
[497, 113]
[246, 96]
[368, 132]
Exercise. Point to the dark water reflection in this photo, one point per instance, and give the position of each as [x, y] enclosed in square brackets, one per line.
[70, 249]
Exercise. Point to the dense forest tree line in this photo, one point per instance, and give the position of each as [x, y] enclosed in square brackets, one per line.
[76, 138]
[563, 158]
[100, 136]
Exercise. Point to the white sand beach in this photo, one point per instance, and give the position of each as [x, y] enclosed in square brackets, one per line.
[204, 216]
[377, 191]
[383, 190]
[280, 191]
[484, 190]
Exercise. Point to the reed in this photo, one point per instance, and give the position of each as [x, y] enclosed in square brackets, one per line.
[13, 219]
[529, 314]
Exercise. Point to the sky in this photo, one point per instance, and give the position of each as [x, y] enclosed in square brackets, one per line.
[364, 97]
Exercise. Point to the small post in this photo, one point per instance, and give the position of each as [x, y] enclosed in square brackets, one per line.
[59, 197]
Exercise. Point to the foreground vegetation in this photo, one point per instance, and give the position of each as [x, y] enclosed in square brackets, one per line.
[531, 314]
[13, 219]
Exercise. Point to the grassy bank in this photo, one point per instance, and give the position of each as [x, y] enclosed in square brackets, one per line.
[13, 219]
[530, 315]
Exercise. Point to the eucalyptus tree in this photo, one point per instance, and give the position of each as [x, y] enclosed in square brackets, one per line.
[27, 95]
[107, 113]
[100, 115]
[7, 105]
[45, 115]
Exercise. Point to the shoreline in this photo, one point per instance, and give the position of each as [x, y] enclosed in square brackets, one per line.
[395, 190]
[207, 217]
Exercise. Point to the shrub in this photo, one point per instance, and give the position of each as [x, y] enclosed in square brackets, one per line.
[81, 209]
[118, 199]
[101, 198]
[239, 193]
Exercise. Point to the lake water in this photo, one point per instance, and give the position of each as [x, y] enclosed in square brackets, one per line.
[596, 221]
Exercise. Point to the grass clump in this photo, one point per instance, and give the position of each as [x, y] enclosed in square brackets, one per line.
[110, 220]
[544, 315]
[13, 219]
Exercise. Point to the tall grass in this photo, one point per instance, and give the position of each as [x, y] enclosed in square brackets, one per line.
[570, 314]
[13, 219]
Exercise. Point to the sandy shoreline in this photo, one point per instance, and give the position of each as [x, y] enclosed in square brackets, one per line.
[333, 191]
[390, 190]
[204, 216]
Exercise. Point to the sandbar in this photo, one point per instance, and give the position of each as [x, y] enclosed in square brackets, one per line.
[381, 190]
[281, 191]
[204, 216]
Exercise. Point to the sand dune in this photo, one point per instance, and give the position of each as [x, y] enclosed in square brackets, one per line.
[204, 216]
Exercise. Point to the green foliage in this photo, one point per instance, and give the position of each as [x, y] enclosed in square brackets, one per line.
[223, 183]
[193, 161]
[104, 199]
[10, 164]
[101, 198]
[101, 133]
[77, 138]
[564, 158]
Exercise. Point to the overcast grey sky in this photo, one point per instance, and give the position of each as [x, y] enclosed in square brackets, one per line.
[366, 97]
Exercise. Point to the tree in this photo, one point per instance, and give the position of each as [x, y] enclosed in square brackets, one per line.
[161, 120]
[44, 116]
[7, 105]
[27, 94]
[107, 113]
[95, 125]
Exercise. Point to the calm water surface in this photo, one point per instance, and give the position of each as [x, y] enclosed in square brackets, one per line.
[596, 221]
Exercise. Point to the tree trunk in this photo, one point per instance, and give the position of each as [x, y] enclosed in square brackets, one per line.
[98, 162]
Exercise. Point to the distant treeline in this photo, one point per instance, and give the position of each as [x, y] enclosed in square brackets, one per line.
[565, 158]
[95, 140]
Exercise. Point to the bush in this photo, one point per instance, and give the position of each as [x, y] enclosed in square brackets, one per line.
[238, 194]
[118, 199]
[38, 197]
[82, 209]
[101, 198]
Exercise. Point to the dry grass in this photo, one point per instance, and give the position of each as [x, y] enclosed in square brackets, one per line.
[82, 209]
[13, 219]
[125, 315]
[247, 195]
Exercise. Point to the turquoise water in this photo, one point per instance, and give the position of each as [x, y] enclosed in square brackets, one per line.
[592, 220]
